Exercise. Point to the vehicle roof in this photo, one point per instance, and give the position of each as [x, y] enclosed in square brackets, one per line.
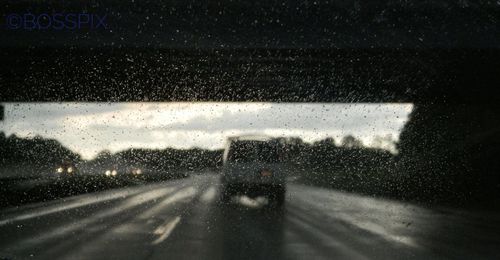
[260, 138]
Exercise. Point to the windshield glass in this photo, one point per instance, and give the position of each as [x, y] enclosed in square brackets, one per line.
[253, 151]
[236, 129]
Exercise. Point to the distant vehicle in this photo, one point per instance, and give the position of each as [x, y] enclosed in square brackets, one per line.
[253, 166]
[111, 171]
[115, 170]
[136, 171]
[66, 169]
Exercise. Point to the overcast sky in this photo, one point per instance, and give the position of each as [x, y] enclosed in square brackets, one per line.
[88, 128]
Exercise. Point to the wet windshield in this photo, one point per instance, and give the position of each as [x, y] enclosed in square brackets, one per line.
[145, 129]
[253, 151]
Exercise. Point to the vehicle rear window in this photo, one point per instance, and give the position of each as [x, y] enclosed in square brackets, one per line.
[253, 151]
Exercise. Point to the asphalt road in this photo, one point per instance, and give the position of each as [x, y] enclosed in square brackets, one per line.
[183, 219]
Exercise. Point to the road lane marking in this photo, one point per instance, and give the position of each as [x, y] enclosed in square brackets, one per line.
[165, 230]
[159, 212]
[78, 201]
[123, 206]
[185, 193]
[209, 195]
[58, 208]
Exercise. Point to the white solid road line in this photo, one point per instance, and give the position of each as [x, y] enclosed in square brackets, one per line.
[165, 230]
[209, 195]
[57, 208]
[125, 205]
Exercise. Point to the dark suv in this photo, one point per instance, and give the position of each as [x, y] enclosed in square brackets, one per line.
[254, 166]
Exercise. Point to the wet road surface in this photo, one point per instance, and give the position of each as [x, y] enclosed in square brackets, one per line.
[183, 219]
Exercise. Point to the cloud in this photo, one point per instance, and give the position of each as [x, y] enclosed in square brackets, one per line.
[88, 128]
[346, 117]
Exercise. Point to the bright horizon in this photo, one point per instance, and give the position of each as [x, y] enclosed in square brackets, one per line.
[89, 128]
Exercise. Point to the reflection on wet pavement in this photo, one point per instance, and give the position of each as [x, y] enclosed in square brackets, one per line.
[184, 219]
